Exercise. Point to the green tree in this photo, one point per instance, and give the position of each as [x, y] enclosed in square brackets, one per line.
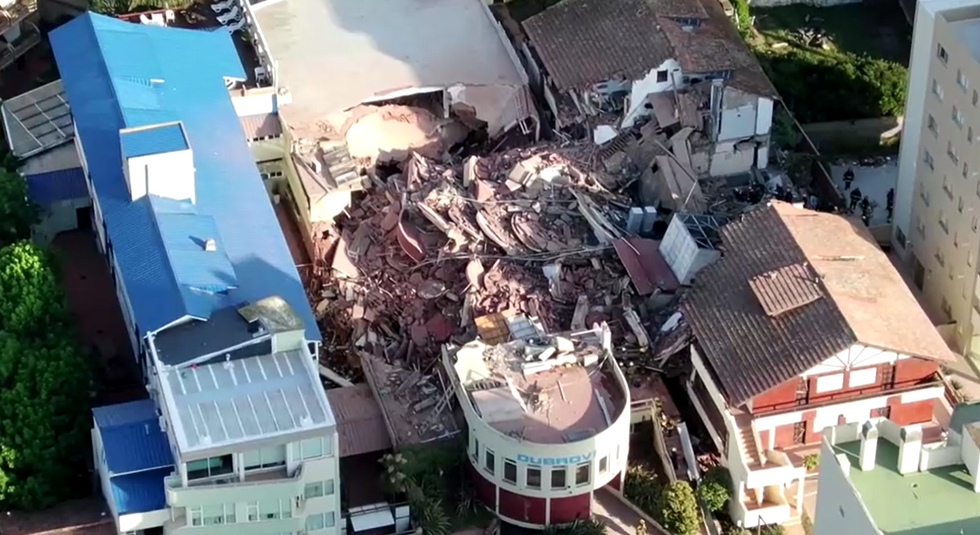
[45, 385]
[17, 212]
[679, 509]
[713, 495]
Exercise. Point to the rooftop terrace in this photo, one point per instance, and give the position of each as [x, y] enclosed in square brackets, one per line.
[940, 501]
[547, 389]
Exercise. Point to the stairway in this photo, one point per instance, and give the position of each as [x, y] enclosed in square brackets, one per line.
[746, 442]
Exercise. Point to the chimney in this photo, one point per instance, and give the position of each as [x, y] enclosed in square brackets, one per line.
[869, 446]
[910, 449]
[210, 245]
[970, 452]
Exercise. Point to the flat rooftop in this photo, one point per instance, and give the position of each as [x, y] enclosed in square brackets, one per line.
[547, 389]
[224, 403]
[934, 502]
[969, 32]
[334, 54]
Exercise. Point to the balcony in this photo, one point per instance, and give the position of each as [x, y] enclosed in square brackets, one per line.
[266, 484]
[12, 12]
[294, 524]
[29, 36]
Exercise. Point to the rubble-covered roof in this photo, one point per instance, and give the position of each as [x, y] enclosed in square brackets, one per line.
[583, 42]
[860, 299]
[540, 388]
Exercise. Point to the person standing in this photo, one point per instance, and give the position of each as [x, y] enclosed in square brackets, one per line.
[890, 203]
[641, 528]
[848, 178]
[855, 198]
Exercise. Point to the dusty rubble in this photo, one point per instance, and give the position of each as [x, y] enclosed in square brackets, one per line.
[428, 250]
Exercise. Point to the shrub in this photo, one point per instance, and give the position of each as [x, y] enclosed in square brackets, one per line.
[806, 523]
[772, 529]
[713, 495]
[642, 488]
[811, 461]
[679, 509]
[737, 530]
[743, 18]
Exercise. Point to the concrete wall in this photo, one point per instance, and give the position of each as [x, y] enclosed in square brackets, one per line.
[61, 216]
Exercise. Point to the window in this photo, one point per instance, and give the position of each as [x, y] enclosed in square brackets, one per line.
[197, 516]
[828, 383]
[604, 465]
[312, 448]
[932, 125]
[969, 258]
[265, 458]
[558, 475]
[937, 90]
[328, 489]
[274, 509]
[328, 519]
[863, 377]
[315, 522]
[900, 237]
[210, 467]
[973, 224]
[958, 117]
[927, 158]
[662, 76]
[582, 473]
[313, 490]
[533, 477]
[510, 471]
[489, 462]
[942, 54]
[961, 80]
[252, 511]
[476, 449]
[215, 515]
[951, 152]
[947, 189]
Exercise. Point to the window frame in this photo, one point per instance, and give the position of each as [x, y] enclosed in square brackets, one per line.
[559, 471]
[489, 461]
[510, 471]
[528, 480]
[586, 469]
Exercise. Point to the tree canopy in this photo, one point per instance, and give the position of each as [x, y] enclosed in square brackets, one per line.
[45, 384]
[17, 212]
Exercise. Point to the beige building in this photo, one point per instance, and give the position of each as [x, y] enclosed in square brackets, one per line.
[937, 204]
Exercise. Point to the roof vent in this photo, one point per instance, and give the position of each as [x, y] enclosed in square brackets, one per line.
[210, 245]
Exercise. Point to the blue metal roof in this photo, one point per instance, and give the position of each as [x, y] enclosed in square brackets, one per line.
[121, 75]
[139, 493]
[185, 237]
[124, 413]
[136, 447]
[153, 140]
[55, 186]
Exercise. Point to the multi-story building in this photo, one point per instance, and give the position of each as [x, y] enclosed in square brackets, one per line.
[880, 477]
[801, 324]
[548, 419]
[238, 435]
[937, 199]
[18, 29]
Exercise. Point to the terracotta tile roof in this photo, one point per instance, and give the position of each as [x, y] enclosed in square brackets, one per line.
[863, 300]
[582, 42]
[360, 422]
[261, 126]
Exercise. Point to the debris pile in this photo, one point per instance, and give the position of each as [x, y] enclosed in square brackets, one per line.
[430, 249]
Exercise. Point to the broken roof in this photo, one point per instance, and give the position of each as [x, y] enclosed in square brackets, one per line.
[583, 42]
[360, 421]
[332, 55]
[794, 288]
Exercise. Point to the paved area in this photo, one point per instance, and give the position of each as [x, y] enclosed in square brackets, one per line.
[873, 181]
[618, 517]
[89, 516]
[92, 299]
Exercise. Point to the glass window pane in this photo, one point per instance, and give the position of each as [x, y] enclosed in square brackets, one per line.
[198, 469]
[328, 487]
[251, 459]
[313, 490]
[221, 465]
[510, 471]
[274, 456]
[230, 513]
[558, 477]
[327, 447]
[312, 448]
[582, 473]
[330, 519]
[314, 522]
[603, 465]
[533, 477]
[489, 463]
[285, 508]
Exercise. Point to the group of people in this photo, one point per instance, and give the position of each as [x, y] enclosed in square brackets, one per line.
[862, 202]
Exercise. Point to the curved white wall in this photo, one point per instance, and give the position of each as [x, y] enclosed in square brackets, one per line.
[612, 444]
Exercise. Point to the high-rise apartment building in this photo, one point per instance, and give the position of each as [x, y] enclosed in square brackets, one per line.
[937, 201]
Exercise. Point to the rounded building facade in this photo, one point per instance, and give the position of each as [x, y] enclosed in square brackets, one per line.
[541, 443]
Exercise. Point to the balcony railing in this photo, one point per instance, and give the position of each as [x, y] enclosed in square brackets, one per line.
[269, 484]
[29, 36]
[14, 12]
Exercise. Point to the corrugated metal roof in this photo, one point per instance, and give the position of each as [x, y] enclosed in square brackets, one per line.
[261, 126]
[646, 266]
[186, 237]
[360, 422]
[120, 75]
[48, 188]
[153, 140]
[131, 437]
[37, 120]
[141, 492]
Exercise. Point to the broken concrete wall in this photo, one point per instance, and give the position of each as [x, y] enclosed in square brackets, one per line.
[731, 158]
[500, 106]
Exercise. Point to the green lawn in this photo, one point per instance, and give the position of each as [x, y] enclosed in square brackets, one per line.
[877, 28]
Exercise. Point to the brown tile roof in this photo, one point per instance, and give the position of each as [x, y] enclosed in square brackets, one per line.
[582, 42]
[360, 422]
[864, 300]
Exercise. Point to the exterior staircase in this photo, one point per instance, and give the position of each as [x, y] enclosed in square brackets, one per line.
[746, 442]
